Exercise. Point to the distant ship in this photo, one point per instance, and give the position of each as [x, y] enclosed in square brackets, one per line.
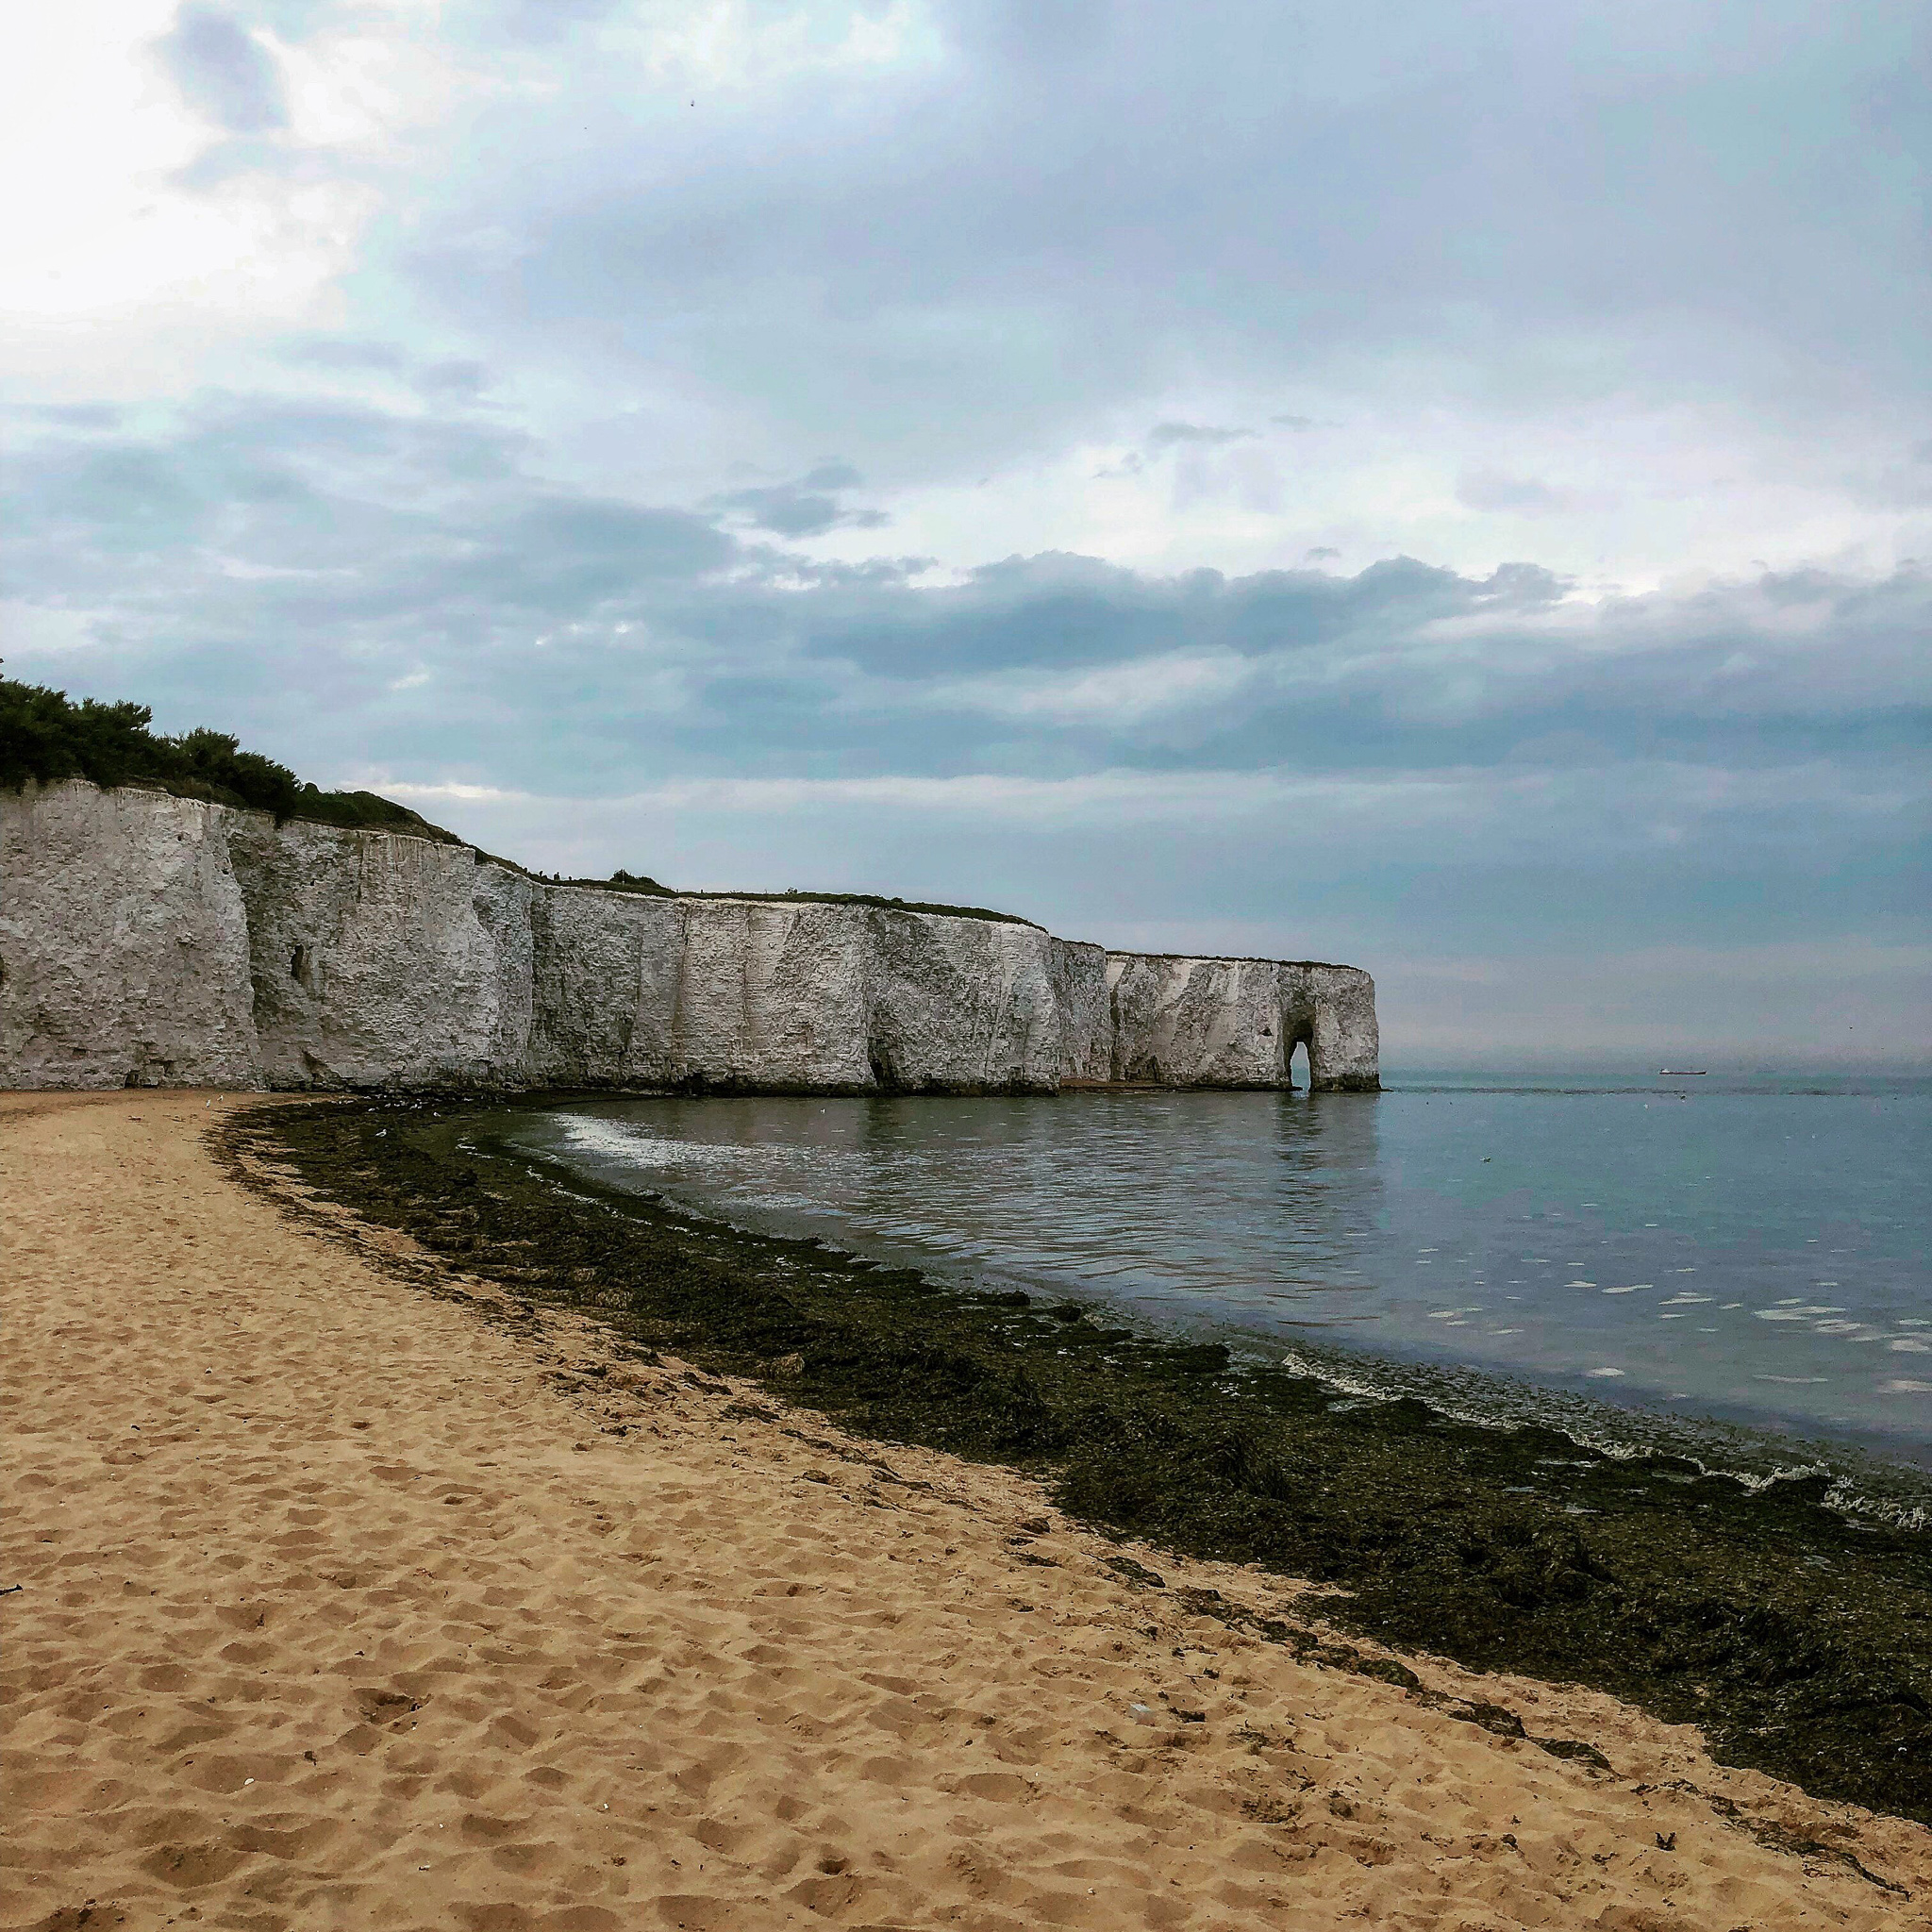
[1681, 1073]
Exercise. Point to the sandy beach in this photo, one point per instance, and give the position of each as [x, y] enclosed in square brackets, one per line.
[340, 1598]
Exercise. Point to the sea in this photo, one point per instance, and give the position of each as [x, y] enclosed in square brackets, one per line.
[1730, 1267]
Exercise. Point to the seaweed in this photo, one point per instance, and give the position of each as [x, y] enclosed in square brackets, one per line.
[1799, 1642]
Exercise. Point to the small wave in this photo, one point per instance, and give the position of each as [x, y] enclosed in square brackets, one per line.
[1596, 1432]
[633, 1146]
[637, 1148]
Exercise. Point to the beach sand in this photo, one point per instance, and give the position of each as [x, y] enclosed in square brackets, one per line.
[346, 1603]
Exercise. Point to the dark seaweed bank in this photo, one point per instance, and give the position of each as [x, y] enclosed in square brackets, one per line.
[1799, 1641]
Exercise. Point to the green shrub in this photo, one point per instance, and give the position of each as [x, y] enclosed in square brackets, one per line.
[45, 736]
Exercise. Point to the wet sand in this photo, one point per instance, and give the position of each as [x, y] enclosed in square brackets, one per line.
[347, 1603]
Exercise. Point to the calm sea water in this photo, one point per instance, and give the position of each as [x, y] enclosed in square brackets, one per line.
[1749, 1251]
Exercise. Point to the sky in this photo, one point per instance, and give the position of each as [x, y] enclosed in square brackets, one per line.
[1442, 487]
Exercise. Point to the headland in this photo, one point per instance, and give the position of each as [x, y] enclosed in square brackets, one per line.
[150, 939]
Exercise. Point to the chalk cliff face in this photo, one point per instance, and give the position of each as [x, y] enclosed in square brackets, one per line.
[123, 944]
[147, 940]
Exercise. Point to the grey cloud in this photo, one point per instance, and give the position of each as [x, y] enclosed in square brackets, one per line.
[1026, 34]
[223, 71]
[1402, 759]
[453, 377]
[831, 476]
[357, 538]
[1491, 490]
[341, 352]
[1165, 435]
[342, 526]
[1060, 611]
[71, 415]
[546, 21]
[809, 508]
[296, 20]
[447, 377]
[386, 536]
[957, 261]
[569, 554]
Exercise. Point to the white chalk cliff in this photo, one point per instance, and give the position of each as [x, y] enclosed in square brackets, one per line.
[147, 940]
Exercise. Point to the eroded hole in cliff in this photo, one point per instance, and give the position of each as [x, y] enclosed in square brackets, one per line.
[298, 963]
[1298, 1071]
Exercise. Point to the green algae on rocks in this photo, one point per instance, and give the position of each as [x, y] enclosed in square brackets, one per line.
[1799, 1642]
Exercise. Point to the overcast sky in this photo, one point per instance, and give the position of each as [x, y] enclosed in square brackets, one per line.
[1445, 487]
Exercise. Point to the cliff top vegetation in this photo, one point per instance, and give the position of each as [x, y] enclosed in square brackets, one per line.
[628, 882]
[45, 736]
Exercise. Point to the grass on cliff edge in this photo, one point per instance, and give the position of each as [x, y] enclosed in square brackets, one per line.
[1800, 1643]
[650, 889]
[45, 737]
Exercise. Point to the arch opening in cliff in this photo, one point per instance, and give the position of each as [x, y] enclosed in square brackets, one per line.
[1297, 1056]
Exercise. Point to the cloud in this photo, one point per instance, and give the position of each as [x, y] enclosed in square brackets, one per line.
[391, 527]
[947, 244]
[340, 352]
[455, 375]
[261, 545]
[1489, 489]
[547, 21]
[440, 379]
[1166, 435]
[787, 510]
[223, 71]
[808, 508]
[73, 415]
[1111, 696]
[1400, 761]
[831, 476]
[931, 237]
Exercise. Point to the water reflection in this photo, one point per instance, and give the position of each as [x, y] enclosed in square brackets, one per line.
[1753, 1255]
[1148, 1195]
